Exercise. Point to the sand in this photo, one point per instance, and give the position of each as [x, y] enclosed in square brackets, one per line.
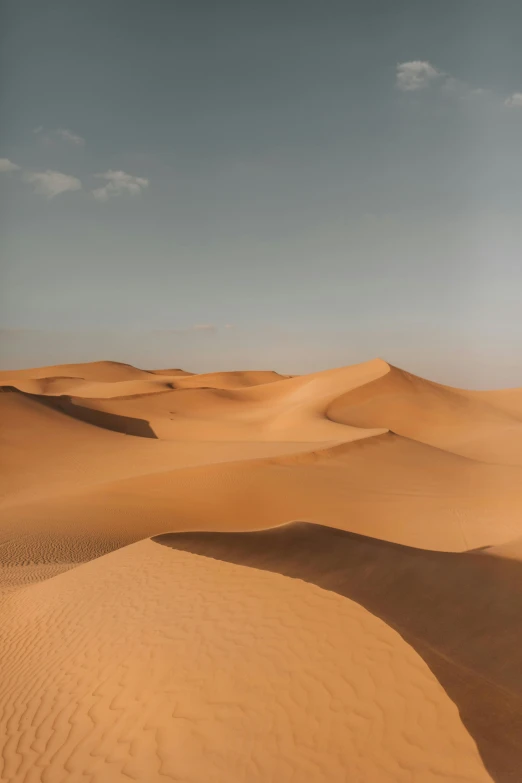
[250, 576]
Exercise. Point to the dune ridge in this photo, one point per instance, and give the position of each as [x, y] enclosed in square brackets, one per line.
[220, 681]
[349, 538]
[430, 598]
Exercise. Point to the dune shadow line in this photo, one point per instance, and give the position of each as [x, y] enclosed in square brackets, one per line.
[126, 425]
[462, 613]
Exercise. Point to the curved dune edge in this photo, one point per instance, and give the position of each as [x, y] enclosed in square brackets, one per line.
[103, 371]
[162, 665]
[460, 612]
[264, 405]
[477, 425]
[199, 407]
[384, 486]
[47, 453]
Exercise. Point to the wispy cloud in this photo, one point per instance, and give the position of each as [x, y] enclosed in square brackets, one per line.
[45, 183]
[416, 75]
[118, 182]
[70, 137]
[59, 134]
[8, 165]
[514, 101]
[51, 183]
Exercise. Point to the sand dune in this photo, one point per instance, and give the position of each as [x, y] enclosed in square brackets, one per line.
[105, 372]
[466, 424]
[149, 383]
[58, 387]
[45, 452]
[364, 488]
[201, 670]
[175, 372]
[458, 611]
[507, 400]
[230, 380]
[383, 486]
[292, 409]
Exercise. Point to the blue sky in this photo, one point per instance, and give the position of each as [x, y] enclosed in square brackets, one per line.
[287, 184]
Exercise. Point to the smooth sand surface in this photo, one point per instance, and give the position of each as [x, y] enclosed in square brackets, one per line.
[332, 590]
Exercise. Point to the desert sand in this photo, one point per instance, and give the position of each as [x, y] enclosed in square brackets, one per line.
[258, 578]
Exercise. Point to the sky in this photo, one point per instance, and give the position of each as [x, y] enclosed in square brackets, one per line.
[283, 184]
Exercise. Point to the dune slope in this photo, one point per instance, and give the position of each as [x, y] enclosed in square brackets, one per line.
[460, 612]
[46, 449]
[384, 486]
[471, 425]
[199, 670]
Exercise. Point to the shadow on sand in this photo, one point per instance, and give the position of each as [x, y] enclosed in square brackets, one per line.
[462, 613]
[127, 425]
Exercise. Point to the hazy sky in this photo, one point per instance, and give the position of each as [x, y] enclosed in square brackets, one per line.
[315, 183]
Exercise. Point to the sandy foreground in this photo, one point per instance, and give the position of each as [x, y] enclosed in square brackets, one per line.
[257, 578]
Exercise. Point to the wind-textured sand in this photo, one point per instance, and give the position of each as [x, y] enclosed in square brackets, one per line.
[258, 578]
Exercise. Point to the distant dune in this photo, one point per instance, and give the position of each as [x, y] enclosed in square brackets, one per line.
[332, 591]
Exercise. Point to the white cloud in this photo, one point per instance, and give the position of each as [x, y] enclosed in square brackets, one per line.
[514, 101]
[416, 75]
[8, 165]
[119, 182]
[59, 134]
[51, 183]
[70, 137]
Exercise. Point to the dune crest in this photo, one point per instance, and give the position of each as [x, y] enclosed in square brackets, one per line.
[200, 671]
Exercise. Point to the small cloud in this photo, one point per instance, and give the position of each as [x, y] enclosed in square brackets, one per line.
[514, 101]
[416, 75]
[119, 182]
[52, 183]
[70, 137]
[8, 165]
[228, 326]
[59, 134]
